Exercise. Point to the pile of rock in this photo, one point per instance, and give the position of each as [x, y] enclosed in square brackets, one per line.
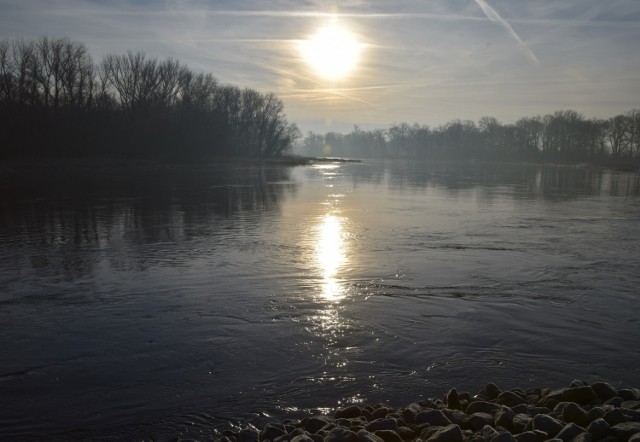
[582, 412]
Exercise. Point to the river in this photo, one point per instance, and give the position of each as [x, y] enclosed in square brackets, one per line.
[156, 302]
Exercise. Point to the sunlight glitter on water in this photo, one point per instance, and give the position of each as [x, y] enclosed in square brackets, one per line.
[330, 256]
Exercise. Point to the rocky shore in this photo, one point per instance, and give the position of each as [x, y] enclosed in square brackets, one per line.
[581, 412]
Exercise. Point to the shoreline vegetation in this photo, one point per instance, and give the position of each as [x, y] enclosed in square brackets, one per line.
[57, 103]
[582, 412]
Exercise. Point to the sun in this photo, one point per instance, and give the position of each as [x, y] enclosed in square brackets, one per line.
[332, 52]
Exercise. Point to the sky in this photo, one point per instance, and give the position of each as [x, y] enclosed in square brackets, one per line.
[414, 61]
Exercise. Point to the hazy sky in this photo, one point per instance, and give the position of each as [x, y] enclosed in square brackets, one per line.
[425, 61]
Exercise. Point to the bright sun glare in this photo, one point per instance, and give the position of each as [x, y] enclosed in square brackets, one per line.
[332, 52]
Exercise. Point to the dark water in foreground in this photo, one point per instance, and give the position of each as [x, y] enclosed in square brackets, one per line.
[161, 302]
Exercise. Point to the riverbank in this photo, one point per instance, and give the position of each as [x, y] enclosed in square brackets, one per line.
[581, 412]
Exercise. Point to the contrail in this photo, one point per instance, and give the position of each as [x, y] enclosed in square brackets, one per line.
[494, 16]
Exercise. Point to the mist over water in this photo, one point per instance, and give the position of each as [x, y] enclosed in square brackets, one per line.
[162, 301]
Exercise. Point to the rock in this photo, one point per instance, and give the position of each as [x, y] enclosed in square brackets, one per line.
[432, 417]
[504, 417]
[570, 431]
[340, 434]
[249, 435]
[482, 407]
[599, 429]
[576, 414]
[510, 399]
[271, 431]
[520, 422]
[522, 409]
[580, 395]
[380, 413]
[635, 438]
[348, 412]
[604, 391]
[450, 433]
[492, 391]
[582, 437]
[532, 436]
[546, 423]
[382, 424]
[388, 436]
[614, 417]
[595, 413]
[314, 424]
[302, 438]
[625, 430]
[614, 401]
[409, 415]
[488, 432]
[504, 437]
[633, 415]
[406, 433]
[478, 420]
[365, 436]
[626, 394]
[631, 405]
[457, 417]
[452, 400]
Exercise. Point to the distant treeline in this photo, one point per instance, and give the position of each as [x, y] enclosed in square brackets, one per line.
[562, 136]
[56, 102]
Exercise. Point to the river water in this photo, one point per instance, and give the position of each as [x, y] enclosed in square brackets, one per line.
[151, 302]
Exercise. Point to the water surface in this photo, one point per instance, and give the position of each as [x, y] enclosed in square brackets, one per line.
[156, 302]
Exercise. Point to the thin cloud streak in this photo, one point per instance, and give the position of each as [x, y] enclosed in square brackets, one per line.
[493, 15]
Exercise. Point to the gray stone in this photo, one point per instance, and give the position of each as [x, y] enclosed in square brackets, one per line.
[576, 414]
[314, 424]
[625, 430]
[599, 428]
[580, 395]
[479, 420]
[450, 433]
[409, 415]
[631, 405]
[388, 436]
[488, 432]
[522, 409]
[595, 413]
[249, 435]
[348, 412]
[432, 417]
[582, 437]
[615, 401]
[570, 431]
[635, 438]
[510, 399]
[482, 407]
[406, 433]
[340, 434]
[457, 417]
[504, 417]
[271, 431]
[365, 436]
[382, 424]
[452, 400]
[627, 394]
[302, 438]
[546, 423]
[492, 391]
[504, 437]
[604, 391]
[532, 436]
[614, 417]
[380, 413]
[520, 422]
[578, 383]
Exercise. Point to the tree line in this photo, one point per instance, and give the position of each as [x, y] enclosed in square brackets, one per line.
[565, 136]
[57, 102]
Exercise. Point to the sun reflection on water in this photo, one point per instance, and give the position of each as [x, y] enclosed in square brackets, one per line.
[330, 256]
